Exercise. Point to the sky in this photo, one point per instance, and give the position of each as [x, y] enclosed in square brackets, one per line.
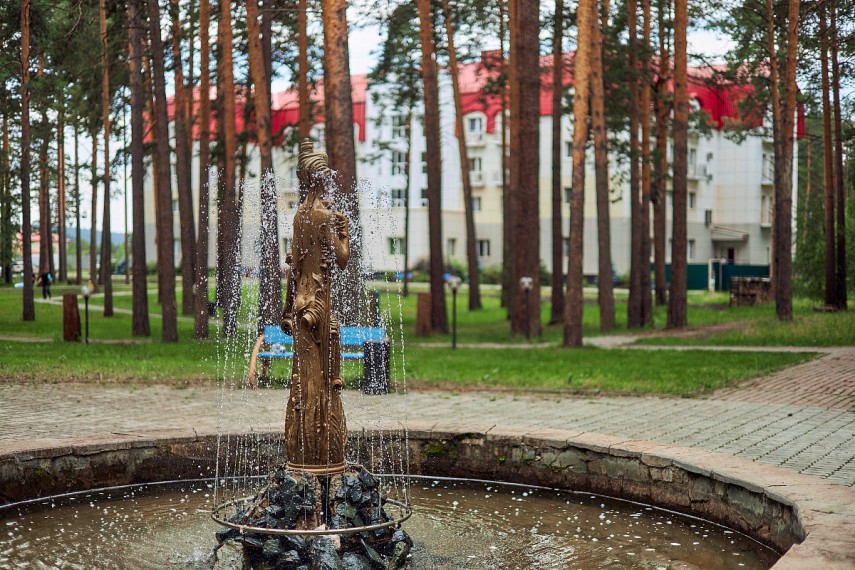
[363, 43]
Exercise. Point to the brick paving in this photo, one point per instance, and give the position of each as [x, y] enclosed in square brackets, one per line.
[802, 418]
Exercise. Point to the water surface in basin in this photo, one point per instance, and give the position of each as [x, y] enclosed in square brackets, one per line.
[455, 524]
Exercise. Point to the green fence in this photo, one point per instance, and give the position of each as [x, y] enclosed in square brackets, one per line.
[697, 274]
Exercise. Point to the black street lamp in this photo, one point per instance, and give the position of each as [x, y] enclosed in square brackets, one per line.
[527, 283]
[86, 290]
[453, 284]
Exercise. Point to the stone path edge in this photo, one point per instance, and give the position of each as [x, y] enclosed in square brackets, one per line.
[810, 520]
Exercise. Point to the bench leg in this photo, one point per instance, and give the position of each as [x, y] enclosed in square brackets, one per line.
[254, 360]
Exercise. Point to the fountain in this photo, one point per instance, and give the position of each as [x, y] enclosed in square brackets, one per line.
[317, 508]
[329, 495]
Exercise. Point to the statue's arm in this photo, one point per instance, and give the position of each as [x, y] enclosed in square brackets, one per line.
[341, 239]
[288, 309]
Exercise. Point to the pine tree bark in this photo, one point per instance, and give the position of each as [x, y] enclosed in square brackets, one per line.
[574, 303]
[634, 312]
[270, 297]
[408, 122]
[8, 232]
[677, 302]
[784, 185]
[471, 254]
[229, 230]
[507, 212]
[557, 311]
[338, 104]
[165, 252]
[439, 318]
[305, 125]
[62, 270]
[200, 329]
[140, 325]
[525, 127]
[828, 162]
[644, 206]
[605, 286]
[29, 307]
[106, 248]
[93, 212]
[662, 109]
[77, 196]
[45, 233]
[840, 190]
[182, 166]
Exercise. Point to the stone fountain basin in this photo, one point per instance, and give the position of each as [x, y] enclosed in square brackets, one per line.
[810, 520]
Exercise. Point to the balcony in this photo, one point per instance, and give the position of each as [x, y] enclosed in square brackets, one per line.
[476, 178]
[696, 171]
[475, 138]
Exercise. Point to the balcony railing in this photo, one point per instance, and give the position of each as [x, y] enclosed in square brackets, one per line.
[697, 171]
[476, 178]
[475, 137]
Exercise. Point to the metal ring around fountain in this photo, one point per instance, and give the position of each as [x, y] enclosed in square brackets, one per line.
[408, 512]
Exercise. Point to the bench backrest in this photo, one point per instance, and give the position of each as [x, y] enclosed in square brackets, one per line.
[350, 336]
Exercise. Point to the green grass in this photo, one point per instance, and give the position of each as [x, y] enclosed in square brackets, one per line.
[683, 373]
[806, 329]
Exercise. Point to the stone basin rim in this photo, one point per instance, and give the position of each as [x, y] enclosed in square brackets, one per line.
[814, 524]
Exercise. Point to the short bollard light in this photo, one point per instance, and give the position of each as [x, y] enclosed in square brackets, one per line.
[527, 284]
[86, 291]
[453, 284]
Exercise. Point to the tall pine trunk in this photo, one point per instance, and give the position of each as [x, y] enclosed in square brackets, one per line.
[270, 297]
[165, 252]
[662, 109]
[409, 123]
[439, 318]
[140, 325]
[338, 105]
[557, 311]
[471, 254]
[200, 329]
[305, 124]
[77, 195]
[635, 318]
[828, 163]
[507, 212]
[644, 206]
[106, 248]
[45, 233]
[228, 290]
[677, 302]
[62, 270]
[783, 220]
[182, 165]
[838, 167]
[8, 232]
[525, 127]
[29, 307]
[574, 304]
[605, 286]
[93, 212]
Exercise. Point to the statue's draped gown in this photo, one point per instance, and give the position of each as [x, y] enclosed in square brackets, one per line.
[314, 420]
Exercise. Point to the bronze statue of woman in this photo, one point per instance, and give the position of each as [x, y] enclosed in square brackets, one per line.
[315, 428]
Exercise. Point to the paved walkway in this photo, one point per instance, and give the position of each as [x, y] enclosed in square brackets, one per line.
[802, 418]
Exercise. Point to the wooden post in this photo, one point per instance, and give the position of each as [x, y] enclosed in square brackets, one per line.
[423, 316]
[70, 318]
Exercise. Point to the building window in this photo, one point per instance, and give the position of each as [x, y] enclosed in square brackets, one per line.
[670, 199]
[396, 246]
[399, 196]
[476, 203]
[318, 135]
[568, 149]
[450, 246]
[693, 156]
[399, 162]
[286, 243]
[766, 210]
[565, 246]
[424, 163]
[483, 248]
[424, 197]
[475, 164]
[768, 172]
[691, 200]
[475, 125]
[399, 127]
[568, 194]
[690, 249]
[175, 206]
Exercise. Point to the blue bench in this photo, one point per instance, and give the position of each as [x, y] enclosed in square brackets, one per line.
[280, 345]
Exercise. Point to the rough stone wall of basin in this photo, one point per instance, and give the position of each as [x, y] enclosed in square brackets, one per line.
[813, 521]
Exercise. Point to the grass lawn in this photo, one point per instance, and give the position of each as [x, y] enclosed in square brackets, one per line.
[808, 328]
[682, 373]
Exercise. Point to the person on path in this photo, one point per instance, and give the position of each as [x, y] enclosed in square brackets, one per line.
[45, 279]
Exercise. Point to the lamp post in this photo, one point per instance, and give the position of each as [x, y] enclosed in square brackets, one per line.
[453, 284]
[527, 283]
[86, 290]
